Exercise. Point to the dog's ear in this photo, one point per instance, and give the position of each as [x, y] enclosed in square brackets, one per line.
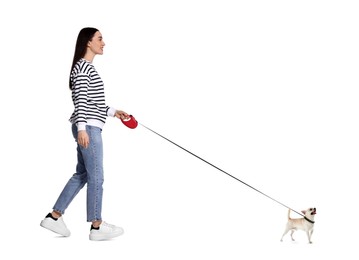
[304, 211]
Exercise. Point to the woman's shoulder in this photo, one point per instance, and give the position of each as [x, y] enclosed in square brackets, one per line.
[84, 67]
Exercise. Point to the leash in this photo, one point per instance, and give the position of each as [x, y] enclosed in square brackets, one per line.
[222, 170]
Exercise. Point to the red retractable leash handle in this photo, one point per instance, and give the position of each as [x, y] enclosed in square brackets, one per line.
[130, 122]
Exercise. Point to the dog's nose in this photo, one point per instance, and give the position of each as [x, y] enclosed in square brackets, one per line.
[314, 211]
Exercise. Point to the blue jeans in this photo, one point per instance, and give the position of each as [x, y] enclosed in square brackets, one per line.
[89, 169]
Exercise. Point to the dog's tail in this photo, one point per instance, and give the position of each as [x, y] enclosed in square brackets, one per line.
[289, 214]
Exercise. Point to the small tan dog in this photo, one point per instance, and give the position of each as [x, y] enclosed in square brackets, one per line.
[306, 223]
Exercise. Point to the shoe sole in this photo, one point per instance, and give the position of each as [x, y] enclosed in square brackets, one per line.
[100, 237]
[52, 228]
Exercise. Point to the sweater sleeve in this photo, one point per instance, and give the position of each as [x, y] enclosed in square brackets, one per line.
[81, 87]
[111, 111]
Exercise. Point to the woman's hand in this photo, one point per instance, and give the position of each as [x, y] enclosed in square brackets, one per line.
[83, 138]
[121, 114]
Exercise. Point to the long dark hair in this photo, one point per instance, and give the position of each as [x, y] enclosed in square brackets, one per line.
[85, 35]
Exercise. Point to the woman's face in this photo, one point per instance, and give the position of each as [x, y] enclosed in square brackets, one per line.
[96, 44]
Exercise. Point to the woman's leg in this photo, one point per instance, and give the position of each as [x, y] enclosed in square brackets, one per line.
[74, 184]
[93, 160]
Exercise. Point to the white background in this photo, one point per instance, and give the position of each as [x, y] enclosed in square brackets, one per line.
[265, 90]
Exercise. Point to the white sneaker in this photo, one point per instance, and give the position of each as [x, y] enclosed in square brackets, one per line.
[55, 225]
[105, 231]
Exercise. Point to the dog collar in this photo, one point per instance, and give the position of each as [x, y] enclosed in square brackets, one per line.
[307, 219]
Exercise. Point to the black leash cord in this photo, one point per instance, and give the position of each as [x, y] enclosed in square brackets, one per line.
[218, 168]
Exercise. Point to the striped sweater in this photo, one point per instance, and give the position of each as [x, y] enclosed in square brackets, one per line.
[88, 97]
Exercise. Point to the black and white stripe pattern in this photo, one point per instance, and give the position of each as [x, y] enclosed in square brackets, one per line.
[88, 96]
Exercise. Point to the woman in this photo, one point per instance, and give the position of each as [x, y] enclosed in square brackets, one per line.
[88, 119]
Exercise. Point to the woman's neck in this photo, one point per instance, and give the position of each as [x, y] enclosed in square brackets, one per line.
[89, 57]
